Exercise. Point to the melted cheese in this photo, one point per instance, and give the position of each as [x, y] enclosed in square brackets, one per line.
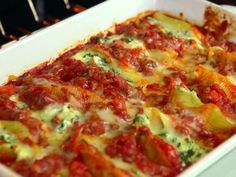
[232, 79]
[178, 28]
[186, 98]
[188, 149]
[12, 143]
[99, 143]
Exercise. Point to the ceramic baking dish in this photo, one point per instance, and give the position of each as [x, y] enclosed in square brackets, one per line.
[48, 43]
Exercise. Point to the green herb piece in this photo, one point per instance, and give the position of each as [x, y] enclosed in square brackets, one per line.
[102, 39]
[7, 138]
[186, 32]
[151, 20]
[170, 33]
[128, 39]
[114, 70]
[186, 156]
[65, 123]
[141, 120]
[163, 135]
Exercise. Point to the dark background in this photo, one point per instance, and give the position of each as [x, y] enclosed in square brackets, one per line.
[231, 2]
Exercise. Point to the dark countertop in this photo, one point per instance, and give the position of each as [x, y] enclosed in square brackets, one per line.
[231, 2]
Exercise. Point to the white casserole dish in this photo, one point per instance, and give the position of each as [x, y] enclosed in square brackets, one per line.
[41, 46]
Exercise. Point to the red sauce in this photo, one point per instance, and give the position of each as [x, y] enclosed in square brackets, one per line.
[7, 90]
[119, 107]
[216, 95]
[136, 148]
[37, 97]
[153, 38]
[8, 109]
[212, 39]
[7, 157]
[72, 69]
[94, 126]
[49, 166]
[123, 146]
[126, 56]
[34, 126]
[78, 169]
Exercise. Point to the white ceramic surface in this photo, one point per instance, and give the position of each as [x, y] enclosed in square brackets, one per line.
[47, 43]
[230, 8]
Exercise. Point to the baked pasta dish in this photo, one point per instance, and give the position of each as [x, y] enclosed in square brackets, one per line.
[146, 99]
